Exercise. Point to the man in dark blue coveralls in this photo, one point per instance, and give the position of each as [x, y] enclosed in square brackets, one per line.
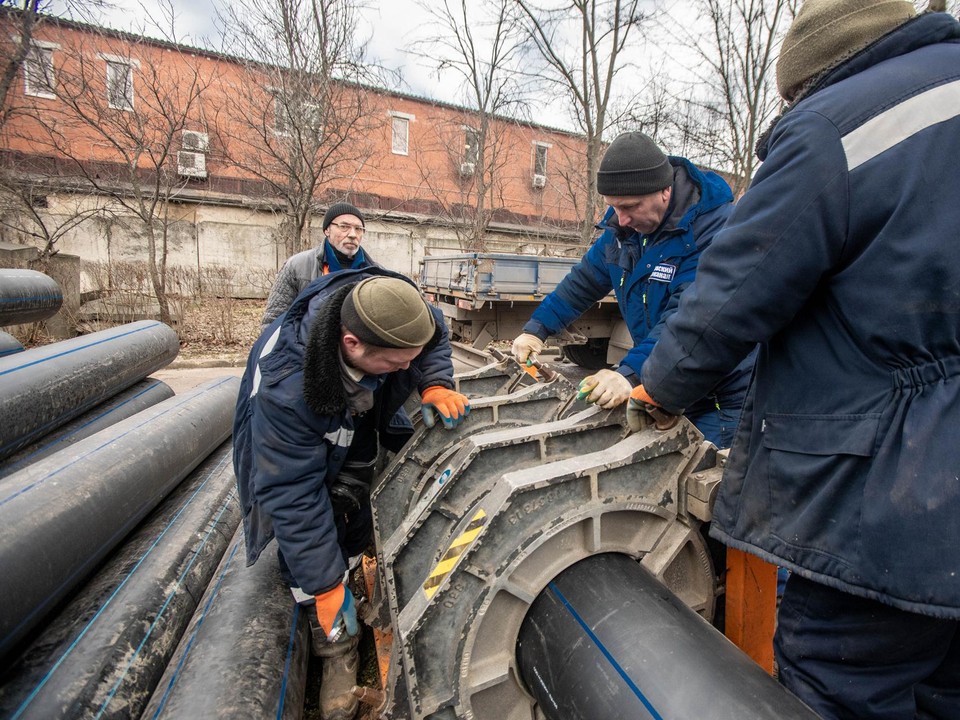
[663, 213]
[841, 260]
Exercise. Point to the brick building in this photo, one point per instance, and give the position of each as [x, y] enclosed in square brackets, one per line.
[122, 146]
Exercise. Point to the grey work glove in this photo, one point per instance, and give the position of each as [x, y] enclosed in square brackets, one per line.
[606, 388]
[526, 348]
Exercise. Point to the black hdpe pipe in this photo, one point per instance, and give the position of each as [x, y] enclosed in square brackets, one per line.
[44, 387]
[129, 402]
[606, 640]
[245, 653]
[62, 515]
[9, 344]
[27, 296]
[105, 651]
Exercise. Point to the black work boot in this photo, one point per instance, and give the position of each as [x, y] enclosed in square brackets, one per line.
[340, 663]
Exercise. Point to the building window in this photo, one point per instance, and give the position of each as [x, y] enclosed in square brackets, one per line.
[120, 85]
[38, 71]
[471, 145]
[540, 159]
[400, 129]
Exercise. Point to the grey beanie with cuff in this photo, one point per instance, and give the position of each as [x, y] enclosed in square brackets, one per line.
[633, 165]
[389, 313]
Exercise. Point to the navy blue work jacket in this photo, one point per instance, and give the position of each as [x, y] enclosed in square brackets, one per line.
[841, 259]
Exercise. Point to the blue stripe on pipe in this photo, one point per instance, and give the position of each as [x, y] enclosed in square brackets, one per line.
[78, 349]
[184, 399]
[120, 587]
[286, 665]
[63, 438]
[606, 653]
[193, 636]
[30, 298]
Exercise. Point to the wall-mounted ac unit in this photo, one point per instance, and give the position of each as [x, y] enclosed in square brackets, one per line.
[192, 164]
[539, 181]
[195, 141]
[467, 169]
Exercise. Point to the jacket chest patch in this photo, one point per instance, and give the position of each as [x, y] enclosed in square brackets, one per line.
[663, 273]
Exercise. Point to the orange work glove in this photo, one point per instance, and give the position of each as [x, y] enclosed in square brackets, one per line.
[336, 612]
[637, 416]
[451, 406]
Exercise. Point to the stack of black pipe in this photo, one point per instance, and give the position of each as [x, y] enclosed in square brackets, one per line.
[124, 590]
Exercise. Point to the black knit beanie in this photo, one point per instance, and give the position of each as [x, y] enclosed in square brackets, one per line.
[338, 209]
[387, 312]
[633, 165]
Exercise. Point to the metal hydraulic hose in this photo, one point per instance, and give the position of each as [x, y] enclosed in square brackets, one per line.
[606, 640]
[135, 398]
[62, 515]
[246, 651]
[105, 651]
[45, 387]
[27, 296]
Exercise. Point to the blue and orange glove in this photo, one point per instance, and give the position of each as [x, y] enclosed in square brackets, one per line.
[639, 407]
[337, 612]
[451, 406]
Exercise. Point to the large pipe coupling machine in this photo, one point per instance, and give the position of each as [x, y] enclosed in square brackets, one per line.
[543, 561]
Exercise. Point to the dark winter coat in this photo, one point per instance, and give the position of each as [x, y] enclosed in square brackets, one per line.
[302, 269]
[648, 274]
[293, 429]
[842, 260]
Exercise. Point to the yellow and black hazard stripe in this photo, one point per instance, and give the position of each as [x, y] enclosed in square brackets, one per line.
[453, 553]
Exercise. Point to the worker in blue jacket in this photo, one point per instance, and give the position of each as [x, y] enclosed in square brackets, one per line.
[841, 259]
[323, 390]
[663, 213]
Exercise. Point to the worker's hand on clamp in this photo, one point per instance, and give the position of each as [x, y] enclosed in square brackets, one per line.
[451, 406]
[526, 348]
[643, 411]
[606, 388]
[337, 613]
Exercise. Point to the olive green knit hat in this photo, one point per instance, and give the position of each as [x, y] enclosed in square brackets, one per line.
[387, 312]
[827, 32]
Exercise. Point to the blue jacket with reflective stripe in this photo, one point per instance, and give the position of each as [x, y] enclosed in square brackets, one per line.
[842, 260]
[648, 274]
[293, 430]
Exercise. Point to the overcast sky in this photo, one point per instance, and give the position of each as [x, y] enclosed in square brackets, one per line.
[390, 27]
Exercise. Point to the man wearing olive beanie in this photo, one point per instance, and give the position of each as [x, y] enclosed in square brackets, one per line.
[343, 230]
[664, 211]
[323, 391]
[841, 261]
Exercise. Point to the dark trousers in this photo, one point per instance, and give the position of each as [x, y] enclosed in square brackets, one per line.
[849, 657]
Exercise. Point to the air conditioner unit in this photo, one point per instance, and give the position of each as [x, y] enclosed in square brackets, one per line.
[467, 169]
[195, 141]
[539, 181]
[192, 164]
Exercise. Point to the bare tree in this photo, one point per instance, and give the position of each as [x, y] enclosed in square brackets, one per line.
[118, 127]
[582, 43]
[298, 110]
[735, 95]
[476, 47]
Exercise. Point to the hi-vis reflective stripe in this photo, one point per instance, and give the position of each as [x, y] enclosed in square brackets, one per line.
[895, 125]
[267, 349]
[453, 553]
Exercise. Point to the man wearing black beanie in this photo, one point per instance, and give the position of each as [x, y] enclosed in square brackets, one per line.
[343, 229]
[663, 212]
